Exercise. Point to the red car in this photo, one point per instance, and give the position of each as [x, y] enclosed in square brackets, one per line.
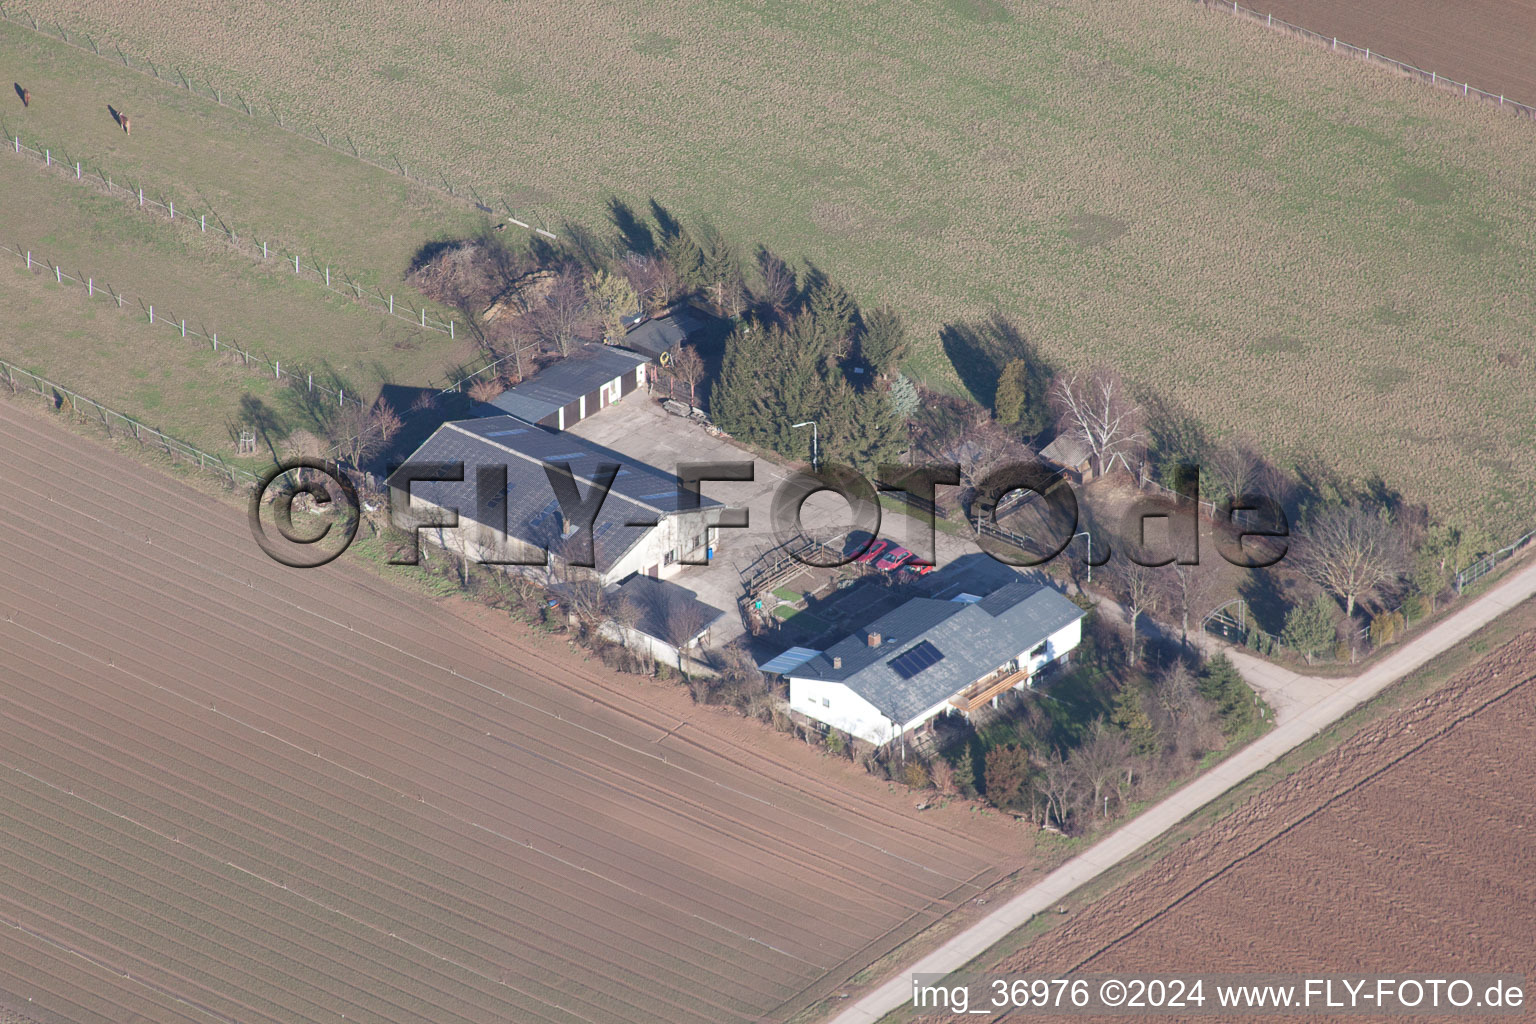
[894, 558]
[919, 568]
[873, 551]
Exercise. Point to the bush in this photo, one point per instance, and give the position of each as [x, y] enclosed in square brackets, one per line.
[915, 774]
[1385, 628]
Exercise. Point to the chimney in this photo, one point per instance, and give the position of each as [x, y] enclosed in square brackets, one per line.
[837, 661]
[874, 639]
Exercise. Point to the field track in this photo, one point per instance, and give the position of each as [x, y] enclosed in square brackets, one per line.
[238, 792]
[1405, 849]
[1486, 43]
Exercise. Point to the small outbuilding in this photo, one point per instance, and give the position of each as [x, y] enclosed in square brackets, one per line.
[1072, 455]
[562, 394]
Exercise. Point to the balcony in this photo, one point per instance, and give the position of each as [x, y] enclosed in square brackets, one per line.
[983, 690]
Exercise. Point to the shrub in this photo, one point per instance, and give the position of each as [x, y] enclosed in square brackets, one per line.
[1385, 628]
[915, 774]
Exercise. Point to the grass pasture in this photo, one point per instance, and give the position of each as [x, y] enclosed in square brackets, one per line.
[265, 183]
[180, 388]
[1304, 248]
[189, 277]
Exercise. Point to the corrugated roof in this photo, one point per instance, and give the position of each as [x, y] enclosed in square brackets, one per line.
[1066, 450]
[970, 640]
[641, 493]
[586, 369]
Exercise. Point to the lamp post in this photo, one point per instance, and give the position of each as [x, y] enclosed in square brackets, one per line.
[815, 453]
[1089, 535]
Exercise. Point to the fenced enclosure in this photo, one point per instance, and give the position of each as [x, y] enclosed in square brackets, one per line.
[98, 177]
[104, 291]
[1337, 45]
[19, 379]
[436, 180]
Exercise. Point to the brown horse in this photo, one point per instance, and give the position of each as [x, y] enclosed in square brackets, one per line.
[127, 125]
[25, 94]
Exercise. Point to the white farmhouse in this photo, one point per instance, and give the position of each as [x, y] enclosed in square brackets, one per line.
[932, 657]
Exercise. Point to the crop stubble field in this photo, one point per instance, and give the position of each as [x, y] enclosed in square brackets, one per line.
[1405, 849]
[1308, 250]
[241, 792]
[1485, 43]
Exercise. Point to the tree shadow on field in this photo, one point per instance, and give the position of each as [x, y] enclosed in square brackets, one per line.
[264, 420]
[634, 233]
[980, 351]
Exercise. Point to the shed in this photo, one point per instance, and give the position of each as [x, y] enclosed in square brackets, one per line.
[592, 377]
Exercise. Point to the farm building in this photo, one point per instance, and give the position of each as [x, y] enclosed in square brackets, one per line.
[931, 657]
[592, 377]
[660, 336]
[666, 619]
[640, 527]
[1072, 455]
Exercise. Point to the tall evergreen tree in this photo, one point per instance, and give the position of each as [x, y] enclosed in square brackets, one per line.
[1022, 402]
[687, 259]
[883, 342]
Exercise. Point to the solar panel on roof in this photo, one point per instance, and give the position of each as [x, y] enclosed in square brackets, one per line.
[909, 663]
[566, 458]
[506, 433]
[663, 494]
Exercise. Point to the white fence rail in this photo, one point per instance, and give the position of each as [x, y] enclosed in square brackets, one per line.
[296, 377]
[97, 177]
[19, 379]
[1337, 45]
[438, 181]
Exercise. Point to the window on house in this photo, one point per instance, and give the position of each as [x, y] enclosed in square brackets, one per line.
[1038, 652]
[669, 557]
[826, 702]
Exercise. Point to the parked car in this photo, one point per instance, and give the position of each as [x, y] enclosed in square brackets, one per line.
[919, 568]
[873, 552]
[893, 558]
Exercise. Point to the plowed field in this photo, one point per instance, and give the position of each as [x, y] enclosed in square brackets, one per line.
[1486, 43]
[238, 792]
[1407, 849]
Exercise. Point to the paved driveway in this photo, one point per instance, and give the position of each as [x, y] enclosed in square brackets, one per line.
[639, 428]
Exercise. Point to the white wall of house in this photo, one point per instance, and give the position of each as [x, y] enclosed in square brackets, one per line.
[839, 707]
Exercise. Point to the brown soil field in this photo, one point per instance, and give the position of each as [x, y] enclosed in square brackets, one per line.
[1406, 849]
[240, 792]
[1485, 43]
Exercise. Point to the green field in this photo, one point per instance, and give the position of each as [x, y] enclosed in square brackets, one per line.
[181, 389]
[1304, 249]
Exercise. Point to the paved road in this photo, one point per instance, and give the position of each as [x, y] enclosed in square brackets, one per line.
[1298, 721]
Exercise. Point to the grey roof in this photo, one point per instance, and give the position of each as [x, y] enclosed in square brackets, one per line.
[586, 369]
[663, 608]
[641, 493]
[973, 638]
[656, 336]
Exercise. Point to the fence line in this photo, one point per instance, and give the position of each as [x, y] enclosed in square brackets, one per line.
[22, 379]
[438, 183]
[1483, 566]
[257, 250]
[1337, 45]
[296, 377]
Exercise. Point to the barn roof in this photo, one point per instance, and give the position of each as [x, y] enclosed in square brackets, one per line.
[664, 333]
[586, 369]
[930, 650]
[641, 493]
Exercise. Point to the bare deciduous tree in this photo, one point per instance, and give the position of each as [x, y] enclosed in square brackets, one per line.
[564, 315]
[687, 369]
[1177, 693]
[1352, 552]
[1100, 760]
[1136, 587]
[362, 434]
[1097, 410]
[1058, 784]
[984, 446]
[1189, 590]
